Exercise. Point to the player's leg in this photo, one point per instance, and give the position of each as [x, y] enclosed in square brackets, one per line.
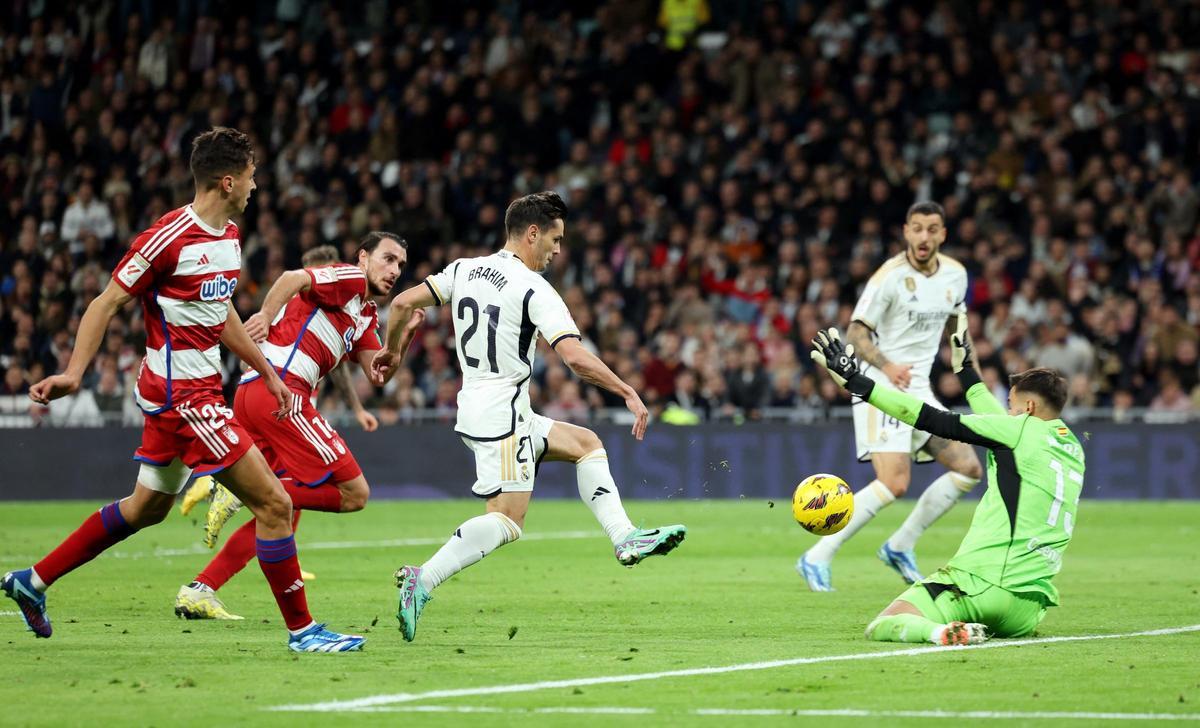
[892, 474]
[324, 476]
[198, 599]
[321, 473]
[474, 539]
[965, 471]
[251, 480]
[150, 502]
[507, 488]
[932, 612]
[1005, 613]
[598, 490]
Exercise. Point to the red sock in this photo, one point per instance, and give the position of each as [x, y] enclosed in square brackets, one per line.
[232, 558]
[234, 555]
[99, 531]
[277, 557]
[319, 498]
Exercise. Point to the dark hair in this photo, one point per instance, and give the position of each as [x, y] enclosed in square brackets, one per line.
[926, 208]
[320, 255]
[371, 240]
[218, 152]
[1045, 383]
[539, 208]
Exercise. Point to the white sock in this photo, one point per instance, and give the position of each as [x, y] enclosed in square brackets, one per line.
[36, 581]
[599, 492]
[867, 502]
[939, 497]
[305, 628]
[472, 541]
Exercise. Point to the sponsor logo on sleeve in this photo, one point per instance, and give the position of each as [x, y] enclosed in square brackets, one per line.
[324, 275]
[133, 269]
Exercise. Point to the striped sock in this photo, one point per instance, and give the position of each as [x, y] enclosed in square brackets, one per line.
[239, 548]
[277, 558]
[98, 532]
[599, 492]
[472, 541]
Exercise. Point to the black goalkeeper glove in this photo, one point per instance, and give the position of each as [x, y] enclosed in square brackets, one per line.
[838, 359]
[962, 355]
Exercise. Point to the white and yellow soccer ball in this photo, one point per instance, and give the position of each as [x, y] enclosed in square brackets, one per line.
[823, 504]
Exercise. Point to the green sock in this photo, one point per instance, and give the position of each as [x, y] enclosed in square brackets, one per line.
[902, 628]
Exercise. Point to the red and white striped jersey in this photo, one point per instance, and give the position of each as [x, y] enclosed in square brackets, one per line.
[319, 327]
[184, 272]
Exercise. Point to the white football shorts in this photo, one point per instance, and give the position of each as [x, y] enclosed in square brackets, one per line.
[510, 465]
[875, 431]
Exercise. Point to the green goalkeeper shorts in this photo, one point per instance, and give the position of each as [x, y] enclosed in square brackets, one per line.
[954, 595]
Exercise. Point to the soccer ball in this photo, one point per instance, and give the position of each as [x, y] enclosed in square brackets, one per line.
[823, 504]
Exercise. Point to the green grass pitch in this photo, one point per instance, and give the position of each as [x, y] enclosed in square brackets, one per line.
[559, 607]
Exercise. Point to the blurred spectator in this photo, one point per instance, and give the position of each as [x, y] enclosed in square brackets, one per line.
[1171, 397]
[735, 171]
[567, 406]
[747, 382]
[86, 215]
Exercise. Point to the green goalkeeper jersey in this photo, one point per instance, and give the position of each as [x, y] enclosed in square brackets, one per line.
[1035, 475]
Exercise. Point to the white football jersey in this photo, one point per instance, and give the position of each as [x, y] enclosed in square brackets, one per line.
[498, 307]
[908, 310]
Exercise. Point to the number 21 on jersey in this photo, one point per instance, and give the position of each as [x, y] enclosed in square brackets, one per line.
[493, 313]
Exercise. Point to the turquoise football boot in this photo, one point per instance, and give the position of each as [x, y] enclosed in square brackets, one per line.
[644, 542]
[413, 598]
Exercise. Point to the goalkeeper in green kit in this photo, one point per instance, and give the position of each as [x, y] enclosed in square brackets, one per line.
[999, 584]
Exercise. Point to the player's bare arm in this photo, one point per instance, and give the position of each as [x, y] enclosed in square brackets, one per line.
[858, 334]
[287, 286]
[87, 341]
[591, 369]
[239, 342]
[345, 386]
[402, 326]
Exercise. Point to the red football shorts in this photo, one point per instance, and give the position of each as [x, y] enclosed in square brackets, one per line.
[200, 431]
[301, 446]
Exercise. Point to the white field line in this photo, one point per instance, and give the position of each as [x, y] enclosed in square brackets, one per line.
[492, 709]
[333, 545]
[333, 706]
[832, 713]
[197, 548]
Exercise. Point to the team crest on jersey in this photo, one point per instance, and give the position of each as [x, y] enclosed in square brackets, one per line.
[230, 435]
[911, 284]
[524, 472]
[218, 288]
[949, 296]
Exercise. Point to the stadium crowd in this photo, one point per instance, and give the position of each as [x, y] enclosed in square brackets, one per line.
[735, 171]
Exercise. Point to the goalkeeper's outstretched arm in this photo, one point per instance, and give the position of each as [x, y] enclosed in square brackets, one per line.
[989, 430]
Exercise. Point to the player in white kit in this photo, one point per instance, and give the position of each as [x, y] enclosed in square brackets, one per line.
[500, 304]
[897, 330]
